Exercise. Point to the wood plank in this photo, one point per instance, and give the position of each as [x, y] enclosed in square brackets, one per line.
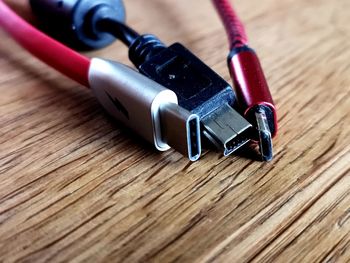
[77, 187]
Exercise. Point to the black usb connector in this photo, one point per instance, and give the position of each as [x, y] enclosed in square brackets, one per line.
[199, 89]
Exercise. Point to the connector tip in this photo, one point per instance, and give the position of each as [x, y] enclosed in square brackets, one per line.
[181, 130]
[265, 138]
[227, 129]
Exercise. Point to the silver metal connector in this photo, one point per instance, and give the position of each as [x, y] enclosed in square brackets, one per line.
[181, 130]
[265, 138]
[146, 107]
[227, 129]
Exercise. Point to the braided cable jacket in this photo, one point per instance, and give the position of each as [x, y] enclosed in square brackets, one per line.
[234, 27]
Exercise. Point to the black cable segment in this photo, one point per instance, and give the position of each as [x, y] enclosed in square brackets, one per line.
[119, 30]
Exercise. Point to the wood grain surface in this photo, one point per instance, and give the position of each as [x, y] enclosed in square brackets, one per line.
[75, 186]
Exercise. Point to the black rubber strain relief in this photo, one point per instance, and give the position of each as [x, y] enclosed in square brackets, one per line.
[143, 48]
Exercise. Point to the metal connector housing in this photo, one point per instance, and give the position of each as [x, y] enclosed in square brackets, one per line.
[227, 129]
[146, 107]
[181, 130]
[131, 98]
[265, 138]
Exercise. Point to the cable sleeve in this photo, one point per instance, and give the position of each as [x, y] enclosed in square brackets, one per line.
[48, 50]
[233, 25]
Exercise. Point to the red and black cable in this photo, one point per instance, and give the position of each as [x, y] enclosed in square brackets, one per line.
[133, 99]
[244, 65]
[48, 50]
[249, 79]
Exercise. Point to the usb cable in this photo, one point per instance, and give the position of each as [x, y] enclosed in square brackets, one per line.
[249, 79]
[199, 89]
[145, 106]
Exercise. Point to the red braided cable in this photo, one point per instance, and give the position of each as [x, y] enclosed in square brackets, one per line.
[234, 27]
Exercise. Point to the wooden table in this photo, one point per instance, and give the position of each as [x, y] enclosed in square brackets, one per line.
[75, 186]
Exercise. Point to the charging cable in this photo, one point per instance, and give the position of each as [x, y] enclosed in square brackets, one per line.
[249, 79]
[145, 106]
[198, 88]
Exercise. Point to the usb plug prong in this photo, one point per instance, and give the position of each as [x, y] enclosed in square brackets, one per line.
[181, 130]
[227, 129]
[265, 138]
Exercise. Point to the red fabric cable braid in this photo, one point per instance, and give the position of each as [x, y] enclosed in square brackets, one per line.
[234, 27]
[245, 68]
[50, 51]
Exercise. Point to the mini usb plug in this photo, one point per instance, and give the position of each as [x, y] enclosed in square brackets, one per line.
[146, 107]
[226, 129]
[199, 89]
